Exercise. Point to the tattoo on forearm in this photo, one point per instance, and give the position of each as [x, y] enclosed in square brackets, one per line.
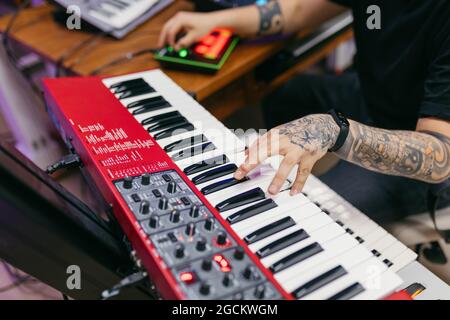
[419, 155]
[271, 18]
[313, 133]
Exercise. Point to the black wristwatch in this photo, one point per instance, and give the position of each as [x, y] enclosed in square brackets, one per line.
[344, 126]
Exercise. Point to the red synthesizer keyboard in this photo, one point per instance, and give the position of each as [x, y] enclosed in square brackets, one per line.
[166, 166]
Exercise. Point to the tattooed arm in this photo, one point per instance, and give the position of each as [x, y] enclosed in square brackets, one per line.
[418, 155]
[421, 155]
[275, 17]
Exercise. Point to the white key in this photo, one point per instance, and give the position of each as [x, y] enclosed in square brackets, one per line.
[405, 258]
[387, 283]
[374, 236]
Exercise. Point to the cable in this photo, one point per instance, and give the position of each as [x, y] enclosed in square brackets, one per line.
[66, 162]
[129, 281]
[125, 58]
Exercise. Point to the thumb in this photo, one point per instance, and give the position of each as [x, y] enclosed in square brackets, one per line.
[185, 41]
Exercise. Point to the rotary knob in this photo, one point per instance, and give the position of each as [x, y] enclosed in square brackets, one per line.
[175, 216]
[127, 183]
[239, 253]
[163, 203]
[145, 179]
[154, 222]
[179, 251]
[206, 265]
[205, 288]
[190, 229]
[260, 291]
[144, 208]
[201, 244]
[221, 238]
[249, 272]
[194, 212]
[171, 187]
[227, 280]
[209, 224]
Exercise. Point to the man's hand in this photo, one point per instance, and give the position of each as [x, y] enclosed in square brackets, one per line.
[303, 142]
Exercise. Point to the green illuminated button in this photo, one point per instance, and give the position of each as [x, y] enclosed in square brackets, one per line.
[169, 49]
[183, 53]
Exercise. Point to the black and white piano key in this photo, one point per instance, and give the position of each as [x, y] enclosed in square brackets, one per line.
[251, 211]
[239, 200]
[361, 273]
[348, 292]
[384, 285]
[221, 185]
[119, 13]
[191, 142]
[347, 260]
[214, 173]
[310, 230]
[193, 151]
[319, 282]
[320, 230]
[298, 210]
[270, 229]
[331, 249]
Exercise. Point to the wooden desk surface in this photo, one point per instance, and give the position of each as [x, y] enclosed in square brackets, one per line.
[36, 29]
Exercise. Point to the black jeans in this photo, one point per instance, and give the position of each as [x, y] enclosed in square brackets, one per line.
[382, 197]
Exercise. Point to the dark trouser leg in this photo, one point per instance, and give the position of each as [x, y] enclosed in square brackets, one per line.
[380, 196]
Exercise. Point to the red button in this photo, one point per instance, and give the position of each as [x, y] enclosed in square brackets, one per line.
[187, 277]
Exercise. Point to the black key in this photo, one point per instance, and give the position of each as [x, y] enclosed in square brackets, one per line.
[376, 253]
[319, 282]
[127, 83]
[132, 86]
[182, 128]
[122, 3]
[221, 185]
[183, 143]
[115, 4]
[388, 262]
[214, 173]
[156, 193]
[296, 257]
[282, 243]
[269, 230]
[251, 211]
[241, 200]
[205, 165]
[103, 12]
[146, 109]
[348, 292]
[164, 124]
[149, 101]
[166, 178]
[160, 117]
[136, 92]
[193, 151]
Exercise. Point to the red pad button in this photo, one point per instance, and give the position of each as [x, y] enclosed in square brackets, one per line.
[223, 263]
[188, 277]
